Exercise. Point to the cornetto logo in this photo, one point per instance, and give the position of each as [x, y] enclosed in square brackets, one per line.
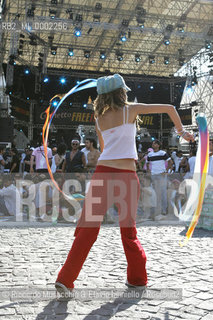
[84, 117]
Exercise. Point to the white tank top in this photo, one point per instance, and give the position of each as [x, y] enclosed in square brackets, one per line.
[119, 142]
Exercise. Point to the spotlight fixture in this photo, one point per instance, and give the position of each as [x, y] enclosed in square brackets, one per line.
[102, 55]
[140, 22]
[54, 2]
[70, 13]
[151, 87]
[87, 54]
[119, 56]
[70, 52]
[208, 44]
[180, 28]
[62, 80]
[98, 6]
[123, 37]
[166, 41]
[52, 13]
[137, 58]
[77, 32]
[53, 50]
[78, 17]
[125, 23]
[55, 103]
[181, 61]
[33, 41]
[166, 60]
[41, 54]
[151, 59]
[96, 18]
[46, 79]
[22, 35]
[30, 13]
[12, 58]
[26, 71]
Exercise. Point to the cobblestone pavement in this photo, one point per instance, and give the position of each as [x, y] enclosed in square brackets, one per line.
[32, 256]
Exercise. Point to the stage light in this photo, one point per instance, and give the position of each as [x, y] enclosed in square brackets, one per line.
[87, 54]
[151, 87]
[62, 80]
[77, 32]
[10, 92]
[102, 55]
[125, 23]
[70, 13]
[98, 6]
[55, 2]
[153, 138]
[123, 37]
[12, 60]
[140, 22]
[180, 28]
[26, 71]
[166, 41]
[151, 59]
[208, 44]
[96, 18]
[77, 82]
[28, 98]
[46, 79]
[30, 13]
[52, 13]
[70, 52]
[84, 105]
[166, 60]
[181, 61]
[119, 55]
[78, 17]
[137, 58]
[55, 103]
[53, 50]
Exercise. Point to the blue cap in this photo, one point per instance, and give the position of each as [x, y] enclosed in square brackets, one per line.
[111, 83]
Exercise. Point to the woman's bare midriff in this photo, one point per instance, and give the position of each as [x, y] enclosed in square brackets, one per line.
[124, 164]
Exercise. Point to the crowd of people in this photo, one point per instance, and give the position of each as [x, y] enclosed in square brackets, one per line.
[160, 173]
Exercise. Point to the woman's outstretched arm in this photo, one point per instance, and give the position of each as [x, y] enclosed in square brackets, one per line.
[142, 108]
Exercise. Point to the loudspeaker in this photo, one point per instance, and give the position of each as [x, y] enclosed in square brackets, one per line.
[6, 129]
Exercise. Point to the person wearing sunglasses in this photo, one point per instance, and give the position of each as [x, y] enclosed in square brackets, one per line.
[75, 159]
[114, 181]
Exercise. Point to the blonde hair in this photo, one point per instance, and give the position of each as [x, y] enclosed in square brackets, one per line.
[113, 100]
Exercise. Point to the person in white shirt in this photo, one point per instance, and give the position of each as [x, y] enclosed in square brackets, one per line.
[9, 198]
[177, 156]
[38, 156]
[191, 163]
[159, 178]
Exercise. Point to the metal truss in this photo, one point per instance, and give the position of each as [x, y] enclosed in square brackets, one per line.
[200, 99]
[101, 29]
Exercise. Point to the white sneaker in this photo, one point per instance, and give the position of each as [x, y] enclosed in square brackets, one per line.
[134, 286]
[63, 290]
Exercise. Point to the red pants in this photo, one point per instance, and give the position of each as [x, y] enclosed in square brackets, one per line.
[108, 186]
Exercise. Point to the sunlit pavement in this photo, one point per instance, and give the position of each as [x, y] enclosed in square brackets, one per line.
[32, 254]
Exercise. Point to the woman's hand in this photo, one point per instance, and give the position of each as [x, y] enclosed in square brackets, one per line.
[187, 136]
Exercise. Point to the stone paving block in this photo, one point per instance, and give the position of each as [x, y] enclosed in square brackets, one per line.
[206, 305]
[7, 311]
[208, 317]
